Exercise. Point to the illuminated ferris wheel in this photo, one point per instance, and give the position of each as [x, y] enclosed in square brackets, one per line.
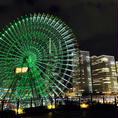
[36, 54]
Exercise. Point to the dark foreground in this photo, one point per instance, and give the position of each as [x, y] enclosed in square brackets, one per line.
[76, 114]
[69, 111]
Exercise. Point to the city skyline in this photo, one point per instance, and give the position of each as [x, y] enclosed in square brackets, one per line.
[94, 74]
[58, 58]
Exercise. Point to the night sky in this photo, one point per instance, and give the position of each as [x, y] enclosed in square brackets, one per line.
[92, 21]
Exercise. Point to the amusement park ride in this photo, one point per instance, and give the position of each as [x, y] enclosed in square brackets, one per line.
[36, 54]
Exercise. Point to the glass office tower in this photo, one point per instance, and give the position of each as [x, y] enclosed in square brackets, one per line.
[82, 84]
[104, 74]
[85, 81]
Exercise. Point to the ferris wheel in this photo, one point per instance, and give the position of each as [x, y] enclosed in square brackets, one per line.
[36, 54]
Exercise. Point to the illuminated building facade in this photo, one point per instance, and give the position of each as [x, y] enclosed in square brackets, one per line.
[117, 68]
[104, 75]
[75, 90]
[85, 82]
[82, 84]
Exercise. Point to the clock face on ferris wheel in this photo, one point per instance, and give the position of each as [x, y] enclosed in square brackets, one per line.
[36, 54]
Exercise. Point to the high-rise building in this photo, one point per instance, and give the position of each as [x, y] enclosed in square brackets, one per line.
[82, 84]
[85, 82]
[104, 76]
[75, 91]
[117, 68]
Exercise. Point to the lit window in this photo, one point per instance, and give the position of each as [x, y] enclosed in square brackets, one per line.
[105, 59]
[112, 63]
[107, 82]
[114, 73]
[105, 69]
[107, 78]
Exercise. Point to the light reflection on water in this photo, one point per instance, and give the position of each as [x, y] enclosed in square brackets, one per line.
[61, 114]
[50, 115]
[84, 114]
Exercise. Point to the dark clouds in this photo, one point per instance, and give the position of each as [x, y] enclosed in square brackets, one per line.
[93, 21]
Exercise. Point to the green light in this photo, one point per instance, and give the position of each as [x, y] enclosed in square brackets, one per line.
[39, 48]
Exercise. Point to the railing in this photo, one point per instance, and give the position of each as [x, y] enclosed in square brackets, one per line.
[36, 102]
